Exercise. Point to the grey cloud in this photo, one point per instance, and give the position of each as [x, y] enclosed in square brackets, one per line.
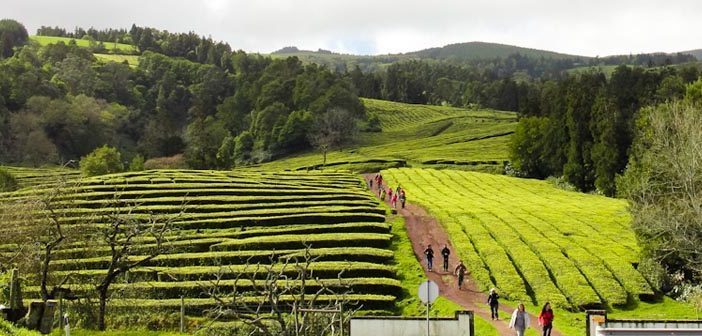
[594, 27]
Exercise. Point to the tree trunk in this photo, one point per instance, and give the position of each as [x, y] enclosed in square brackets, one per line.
[103, 308]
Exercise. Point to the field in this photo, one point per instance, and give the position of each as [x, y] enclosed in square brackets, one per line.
[420, 136]
[119, 47]
[225, 221]
[537, 243]
[132, 60]
[28, 177]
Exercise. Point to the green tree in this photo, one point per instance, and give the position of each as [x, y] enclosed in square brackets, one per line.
[8, 182]
[12, 34]
[137, 163]
[204, 138]
[104, 160]
[528, 147]
[663, 183]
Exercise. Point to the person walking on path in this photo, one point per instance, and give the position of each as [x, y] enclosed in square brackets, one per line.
[393, 201]
[382, 194]
[429, 252]
[445, 252]
[402, 198]
[493, 302]
[460, 271]
[520, 320]
[546, 319]
[389, 194]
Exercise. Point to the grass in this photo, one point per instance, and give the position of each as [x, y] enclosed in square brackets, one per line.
[419, 136]
[117, 47]
[132, 60]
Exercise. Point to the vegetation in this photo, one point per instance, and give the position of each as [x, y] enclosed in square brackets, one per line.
[662, 183]
[223, 224]
[517, 242]
[7, 181]
[419, 135]
[12, 34]
[104, 160]
[92, 44]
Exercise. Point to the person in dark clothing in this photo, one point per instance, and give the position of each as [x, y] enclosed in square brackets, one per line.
[402, 198]
[461, 273]
[445, 252]
[546, 319]
[429, 252]
[494, 304]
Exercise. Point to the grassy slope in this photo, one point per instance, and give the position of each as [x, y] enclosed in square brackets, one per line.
[491, 195]
[132, 60]
[46, 40]
[484, 50]
[421, 135]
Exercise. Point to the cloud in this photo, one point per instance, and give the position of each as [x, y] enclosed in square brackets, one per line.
[596, 27]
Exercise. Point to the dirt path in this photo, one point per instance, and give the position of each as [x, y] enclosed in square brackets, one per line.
[423, 230]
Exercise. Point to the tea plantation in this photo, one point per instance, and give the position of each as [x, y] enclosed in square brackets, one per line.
[227, 220]
[421, 136]
[532, 241]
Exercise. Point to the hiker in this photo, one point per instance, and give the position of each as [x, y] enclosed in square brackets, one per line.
[389, 193]
[445, 252]
[429, 252]
[520, 320]
[461, 273]
[546, 319]
[370, 183]
[393, 201]
[382, 194]
[493, 301]
[402, 198]
[398, 189]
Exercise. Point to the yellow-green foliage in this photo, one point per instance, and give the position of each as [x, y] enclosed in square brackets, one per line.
[46, 40]
[132, 60]
[531, 240]
[226, 220]
[420, 135]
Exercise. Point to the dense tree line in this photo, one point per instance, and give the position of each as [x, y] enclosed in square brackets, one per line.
[584, 126]
[58, 103]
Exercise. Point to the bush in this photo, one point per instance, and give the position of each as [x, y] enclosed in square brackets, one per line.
[7, 181]
[168, 162]
[104, 160]
[137, 163]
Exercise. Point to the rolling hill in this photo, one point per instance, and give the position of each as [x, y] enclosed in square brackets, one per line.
[484, 50]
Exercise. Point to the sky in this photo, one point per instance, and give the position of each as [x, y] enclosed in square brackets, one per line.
[580, 27]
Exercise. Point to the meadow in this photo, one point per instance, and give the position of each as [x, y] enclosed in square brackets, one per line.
[119, 48]
[419, 136]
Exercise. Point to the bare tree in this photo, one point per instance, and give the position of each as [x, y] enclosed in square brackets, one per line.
[332, 130]
[281, 297]
[122, 231]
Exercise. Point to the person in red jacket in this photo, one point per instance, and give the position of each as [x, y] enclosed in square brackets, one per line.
[546, 319]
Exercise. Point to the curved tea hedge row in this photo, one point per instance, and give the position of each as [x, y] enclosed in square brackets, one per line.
[227, 221]
[531, 240]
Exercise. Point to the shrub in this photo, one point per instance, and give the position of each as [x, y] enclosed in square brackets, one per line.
[137, 163]
[104, 160]
[168, 162]
[7, 181]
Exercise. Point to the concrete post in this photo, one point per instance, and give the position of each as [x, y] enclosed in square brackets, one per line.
[15, 291]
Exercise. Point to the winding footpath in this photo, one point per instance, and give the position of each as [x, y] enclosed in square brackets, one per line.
[424, 230]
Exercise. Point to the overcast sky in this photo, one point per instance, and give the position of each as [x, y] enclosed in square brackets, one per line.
[583, 27]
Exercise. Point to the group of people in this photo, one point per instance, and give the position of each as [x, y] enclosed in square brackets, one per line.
[460, 270]
[383, 192]
[520, 320]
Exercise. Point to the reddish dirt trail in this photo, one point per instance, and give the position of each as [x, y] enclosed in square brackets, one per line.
[424, 230]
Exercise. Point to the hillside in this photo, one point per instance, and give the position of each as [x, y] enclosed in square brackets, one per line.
[226, 223]
[119, 48]
[697, 53]
[484, 50]
[419, 135]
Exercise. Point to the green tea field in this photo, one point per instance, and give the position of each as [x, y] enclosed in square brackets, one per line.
[227, 222]
[420, 135]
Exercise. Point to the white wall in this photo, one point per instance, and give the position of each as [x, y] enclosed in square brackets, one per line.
[398, 326]
[601, 326]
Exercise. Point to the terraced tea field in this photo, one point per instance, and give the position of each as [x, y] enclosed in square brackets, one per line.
[28, 177]
[532, 241]
[226, 220]
[46, 40]
[420, 135]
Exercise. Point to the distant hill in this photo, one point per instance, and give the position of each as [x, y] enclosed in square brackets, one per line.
[484, 50]
[697, 53]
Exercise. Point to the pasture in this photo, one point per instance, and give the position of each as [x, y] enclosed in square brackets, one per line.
[119, 48]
